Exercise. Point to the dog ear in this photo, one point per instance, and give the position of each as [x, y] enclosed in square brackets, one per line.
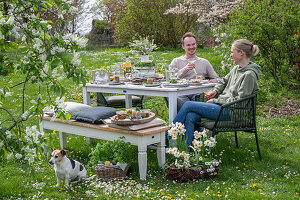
[53, 149]
[64, 152]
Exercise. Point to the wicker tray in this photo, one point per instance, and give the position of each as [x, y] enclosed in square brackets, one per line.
[126, 122]
[109, 173]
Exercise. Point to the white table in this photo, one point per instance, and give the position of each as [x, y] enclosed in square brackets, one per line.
[130, 89]
[141, 138]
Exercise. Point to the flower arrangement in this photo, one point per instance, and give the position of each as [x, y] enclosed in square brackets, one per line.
[198, 158]
[143, 45]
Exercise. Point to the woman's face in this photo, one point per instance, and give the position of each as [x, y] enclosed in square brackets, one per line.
[236, 55]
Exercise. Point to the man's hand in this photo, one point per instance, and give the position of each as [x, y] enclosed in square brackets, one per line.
[189, 66]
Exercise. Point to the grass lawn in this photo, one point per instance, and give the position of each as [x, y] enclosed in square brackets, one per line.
[242, 175]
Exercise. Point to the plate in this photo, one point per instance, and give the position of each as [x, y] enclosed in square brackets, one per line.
[112, 83]
[209, 84]
[152, 85]
[126, 122]
[197, 82]
[176, 85]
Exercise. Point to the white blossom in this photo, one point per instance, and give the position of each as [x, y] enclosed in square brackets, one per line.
[10, 20]
[8, 134]
[18, 156]
[10, 156]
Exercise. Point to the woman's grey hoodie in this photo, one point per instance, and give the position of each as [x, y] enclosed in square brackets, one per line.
[238, 83]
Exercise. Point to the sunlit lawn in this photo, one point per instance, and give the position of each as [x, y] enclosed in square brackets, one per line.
[242, 175]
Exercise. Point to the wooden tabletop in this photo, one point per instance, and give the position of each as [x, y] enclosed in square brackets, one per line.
[106, 127]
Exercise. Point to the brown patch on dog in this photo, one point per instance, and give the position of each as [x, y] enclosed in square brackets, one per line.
[58, 153]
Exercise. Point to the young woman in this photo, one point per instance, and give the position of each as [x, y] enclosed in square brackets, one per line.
[241, 81]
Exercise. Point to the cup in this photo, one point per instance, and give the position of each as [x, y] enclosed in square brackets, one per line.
[149, 80]
[207, 92]
[131, 110]
[145, 113]
[200, 77]
[116, 79]
[121, 114]
[138, 115]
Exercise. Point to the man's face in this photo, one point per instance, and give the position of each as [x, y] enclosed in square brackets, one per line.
[189, 45]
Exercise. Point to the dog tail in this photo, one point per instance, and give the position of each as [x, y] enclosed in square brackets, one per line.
[90, 178]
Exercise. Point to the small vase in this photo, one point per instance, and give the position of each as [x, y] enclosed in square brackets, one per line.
[146, 58]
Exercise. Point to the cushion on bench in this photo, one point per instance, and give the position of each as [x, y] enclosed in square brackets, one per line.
[95, 115]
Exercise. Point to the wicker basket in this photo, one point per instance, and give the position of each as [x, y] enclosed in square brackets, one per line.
[108, 173]
[182, 175]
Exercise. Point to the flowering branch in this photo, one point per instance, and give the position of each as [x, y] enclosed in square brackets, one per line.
[209, 11]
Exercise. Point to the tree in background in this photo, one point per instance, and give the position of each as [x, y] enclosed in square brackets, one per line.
[63, 22]
[29, 55]
[208, 11]
[110, 8]
[146, 18]
[274, 26]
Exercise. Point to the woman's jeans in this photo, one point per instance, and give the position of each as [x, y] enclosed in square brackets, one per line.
[192, 112]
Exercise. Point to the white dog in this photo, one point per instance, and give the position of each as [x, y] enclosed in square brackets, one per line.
[66, 168]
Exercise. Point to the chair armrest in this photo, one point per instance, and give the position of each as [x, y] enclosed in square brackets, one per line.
[239, 100]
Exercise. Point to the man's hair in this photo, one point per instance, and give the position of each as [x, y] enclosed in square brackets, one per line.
[188, 34]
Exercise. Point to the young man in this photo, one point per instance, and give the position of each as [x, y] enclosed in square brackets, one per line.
[189, 66]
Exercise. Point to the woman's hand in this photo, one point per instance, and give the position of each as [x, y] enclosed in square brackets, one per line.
[210, 101]
[210, 94]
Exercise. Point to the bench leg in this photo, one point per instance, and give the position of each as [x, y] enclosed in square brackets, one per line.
[142, 159]
[89, 140]
[63, 140]
[161, 150]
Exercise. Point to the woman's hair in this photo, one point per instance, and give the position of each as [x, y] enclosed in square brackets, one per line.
[188, 34]
[247, 46]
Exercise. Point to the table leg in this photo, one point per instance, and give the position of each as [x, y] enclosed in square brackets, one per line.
[86, 96]
[142, 159]
[62, 140]
[161, 150]
[87, 100]
[128, 100]
[172, 107]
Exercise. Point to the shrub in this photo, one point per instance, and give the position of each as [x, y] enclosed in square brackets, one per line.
[272, 25]
[115, 151]
[146, 18]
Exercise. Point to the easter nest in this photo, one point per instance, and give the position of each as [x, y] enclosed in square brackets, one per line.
[109, 173]
[185, 174]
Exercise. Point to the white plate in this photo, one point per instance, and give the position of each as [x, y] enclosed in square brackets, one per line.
[112, 83]
[209, 84]
[175, 85]
[152, 85]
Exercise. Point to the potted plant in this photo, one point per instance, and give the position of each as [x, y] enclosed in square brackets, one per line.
[144, 47]
[193, 162]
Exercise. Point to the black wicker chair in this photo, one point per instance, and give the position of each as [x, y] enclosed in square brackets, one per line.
[117, 101]
[242, 118]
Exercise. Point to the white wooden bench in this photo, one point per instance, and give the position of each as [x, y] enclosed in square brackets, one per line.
[141, 138]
